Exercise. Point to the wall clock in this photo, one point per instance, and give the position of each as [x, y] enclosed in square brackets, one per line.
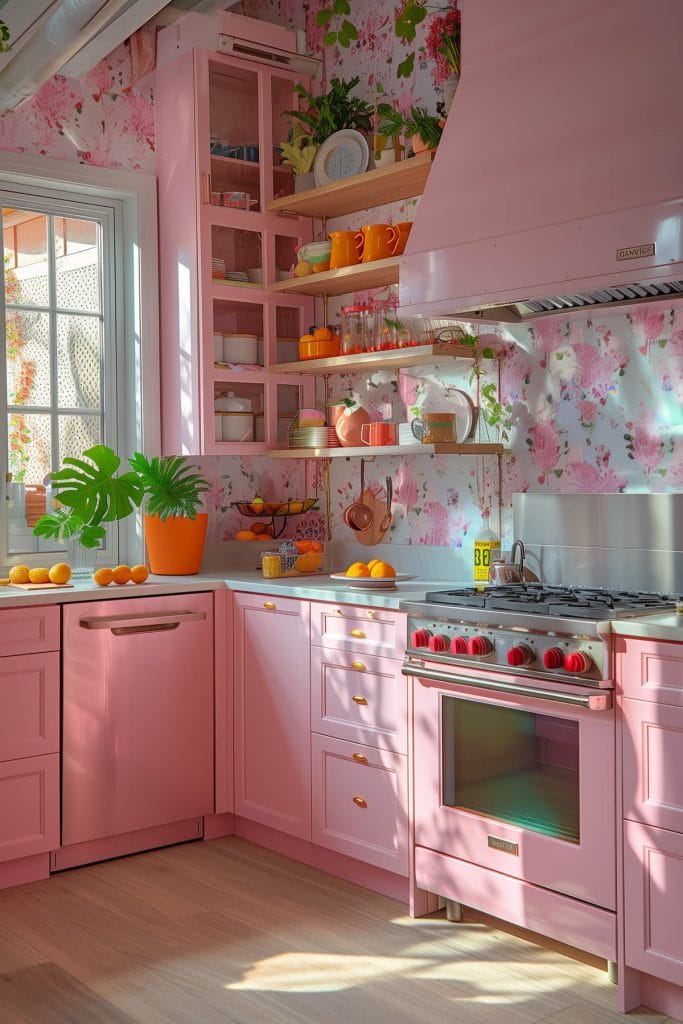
[342, 155]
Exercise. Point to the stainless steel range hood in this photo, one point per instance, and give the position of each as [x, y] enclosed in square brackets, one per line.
[558, 183]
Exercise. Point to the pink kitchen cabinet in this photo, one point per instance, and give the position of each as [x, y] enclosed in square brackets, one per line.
[367, 631]
[272, 713]
[359, 802]
[650, 670]
[29, 705]
[213, 193]
[653, 764]
[29, 630]
[29, 807]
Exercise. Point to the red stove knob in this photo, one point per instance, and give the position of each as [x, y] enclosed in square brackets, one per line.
[479, 645]
[420, 638]
[520, 655]
[578, 662]
[553, 658]
[439, 643]
[459, 645]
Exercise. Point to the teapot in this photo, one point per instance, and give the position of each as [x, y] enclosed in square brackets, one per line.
[503, 573]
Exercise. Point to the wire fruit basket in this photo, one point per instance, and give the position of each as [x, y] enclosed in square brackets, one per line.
[275, 510]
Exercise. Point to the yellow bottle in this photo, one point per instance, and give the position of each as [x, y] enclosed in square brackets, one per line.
[486, 550]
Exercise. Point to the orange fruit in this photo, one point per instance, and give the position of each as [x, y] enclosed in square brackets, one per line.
[60, 573]
[38, 576]
[121, 574]
[372, 563]
[317, 546]
[309, 562]
[259, 528]
[382, 570]
[358, 569]
[304, 546]
[139, 573]
[18, 574]
[103, 577]
[245, 535]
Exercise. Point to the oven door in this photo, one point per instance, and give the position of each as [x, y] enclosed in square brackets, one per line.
[517, 782]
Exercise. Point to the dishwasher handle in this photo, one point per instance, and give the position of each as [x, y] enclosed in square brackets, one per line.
[126, 625]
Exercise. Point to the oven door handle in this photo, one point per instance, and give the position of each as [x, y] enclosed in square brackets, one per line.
[591, 701]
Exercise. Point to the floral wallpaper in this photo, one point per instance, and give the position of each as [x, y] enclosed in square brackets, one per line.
[592, 404]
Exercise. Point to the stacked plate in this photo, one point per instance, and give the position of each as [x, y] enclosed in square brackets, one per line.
[217, 267]
[236, 275]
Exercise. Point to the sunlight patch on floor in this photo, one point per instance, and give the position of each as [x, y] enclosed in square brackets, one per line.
[321, 972]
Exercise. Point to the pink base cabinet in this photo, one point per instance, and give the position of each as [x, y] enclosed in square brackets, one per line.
[650, 683]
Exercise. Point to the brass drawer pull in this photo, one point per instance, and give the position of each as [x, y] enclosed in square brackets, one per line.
[359, 666]
[360, 758]
[358, 632]
[371, 614]
[269, 604]
[357, 699]
[359, 801]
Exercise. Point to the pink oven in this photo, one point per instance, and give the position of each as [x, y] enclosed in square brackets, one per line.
[514, 755]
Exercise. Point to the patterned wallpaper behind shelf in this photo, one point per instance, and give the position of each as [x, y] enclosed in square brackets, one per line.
[596, 403]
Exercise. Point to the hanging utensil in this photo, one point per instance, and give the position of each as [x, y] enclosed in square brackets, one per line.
[359, 516]
[387, 517]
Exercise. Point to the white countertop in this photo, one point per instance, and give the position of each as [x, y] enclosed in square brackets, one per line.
[651, 627]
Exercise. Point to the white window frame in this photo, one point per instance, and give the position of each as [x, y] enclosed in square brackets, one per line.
[132, 201]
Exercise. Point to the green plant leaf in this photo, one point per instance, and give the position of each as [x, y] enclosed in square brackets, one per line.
[341, 7]
[62, 523]
[324, 17]
[405, 68]
[329, 39]
[350, 30]
[91, 489]
[171, 486]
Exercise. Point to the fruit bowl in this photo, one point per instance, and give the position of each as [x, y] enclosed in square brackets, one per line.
[372, 582]
[275, 508]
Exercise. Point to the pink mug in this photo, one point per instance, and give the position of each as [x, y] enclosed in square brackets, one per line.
[380, 432]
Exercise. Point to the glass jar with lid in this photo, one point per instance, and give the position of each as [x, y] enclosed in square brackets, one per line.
[356, 329]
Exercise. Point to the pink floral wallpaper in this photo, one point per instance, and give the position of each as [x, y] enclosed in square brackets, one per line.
[594, 404]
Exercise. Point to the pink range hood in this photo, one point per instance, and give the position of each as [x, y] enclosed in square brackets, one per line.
[558, 183]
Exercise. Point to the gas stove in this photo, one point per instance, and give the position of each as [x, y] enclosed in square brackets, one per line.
[551, 632]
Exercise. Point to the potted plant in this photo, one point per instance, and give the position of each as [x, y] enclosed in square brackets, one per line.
[422, 128]
[175, 529]
[299, 154]
[89, 493]
[332, 111]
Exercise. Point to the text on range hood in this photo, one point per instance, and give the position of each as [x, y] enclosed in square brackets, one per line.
[558, 182]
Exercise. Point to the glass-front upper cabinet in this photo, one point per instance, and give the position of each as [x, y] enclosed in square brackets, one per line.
[220, 251]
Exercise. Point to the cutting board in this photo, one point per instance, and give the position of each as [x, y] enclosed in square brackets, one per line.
[40, 586]
[378, 508]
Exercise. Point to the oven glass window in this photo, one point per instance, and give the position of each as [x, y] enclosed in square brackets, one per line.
[514, 766]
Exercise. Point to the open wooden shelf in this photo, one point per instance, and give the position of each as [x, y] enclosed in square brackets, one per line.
[396, 358]
[372, 188]
[468, 448]
[346, 279]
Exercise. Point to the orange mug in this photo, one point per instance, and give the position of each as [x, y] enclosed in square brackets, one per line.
[379, 432]
[398, 236]
[347, 248]
[376, 242]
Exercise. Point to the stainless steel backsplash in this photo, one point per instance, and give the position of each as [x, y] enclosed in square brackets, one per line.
[629, 541]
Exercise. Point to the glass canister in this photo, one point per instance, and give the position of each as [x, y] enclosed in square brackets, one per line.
[356, 330]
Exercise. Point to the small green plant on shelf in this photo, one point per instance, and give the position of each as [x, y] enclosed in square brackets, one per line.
[299, 153]
[496, 414]
[417, 123]
[332, 111]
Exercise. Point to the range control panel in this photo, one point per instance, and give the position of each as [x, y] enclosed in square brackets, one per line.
[573, 659]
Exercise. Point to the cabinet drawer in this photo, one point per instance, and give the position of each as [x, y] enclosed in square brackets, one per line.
[359, 809]
[29, 806]
[366, 630]
[29, 630]
[29, 705]
[650, 670]
[653, 893]
[653, 763]
[359, 698]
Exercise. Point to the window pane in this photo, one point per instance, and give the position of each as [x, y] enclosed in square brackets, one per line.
[28, 358]
[30, 447]
[76, 433]
[77, 258]
[25, 238]
[78, 362]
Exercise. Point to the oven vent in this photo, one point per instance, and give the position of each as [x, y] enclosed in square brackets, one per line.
[267, 54]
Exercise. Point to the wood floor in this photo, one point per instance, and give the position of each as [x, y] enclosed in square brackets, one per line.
[228, 932]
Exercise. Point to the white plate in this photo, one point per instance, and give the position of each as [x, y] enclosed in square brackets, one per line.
[465, 415]
[368, 583]
[342, 155]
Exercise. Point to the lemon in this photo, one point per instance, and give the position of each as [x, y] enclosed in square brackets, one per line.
[60, 573]
[139, 573]
[121, 574]
[4, 581]
[358, 569]
[19, 574]
[40, 575]
[103, 577]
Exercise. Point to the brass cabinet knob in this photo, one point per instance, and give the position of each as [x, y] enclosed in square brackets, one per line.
[360, 758]
[359, 666]
[371, 614]
[358, 632]
[269, 604]
[358, 699]
[360, 801]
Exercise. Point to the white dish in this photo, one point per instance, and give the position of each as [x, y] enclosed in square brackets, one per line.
[341, 156]
[465, 415]
[240, 348]
[370, 583]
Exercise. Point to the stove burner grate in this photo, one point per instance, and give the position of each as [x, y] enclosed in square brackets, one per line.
[540, 599]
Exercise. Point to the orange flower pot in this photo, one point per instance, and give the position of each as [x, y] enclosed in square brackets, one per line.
[175, 545]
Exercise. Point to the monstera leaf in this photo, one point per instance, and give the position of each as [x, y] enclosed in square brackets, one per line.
[62, 523]
[92, 490]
